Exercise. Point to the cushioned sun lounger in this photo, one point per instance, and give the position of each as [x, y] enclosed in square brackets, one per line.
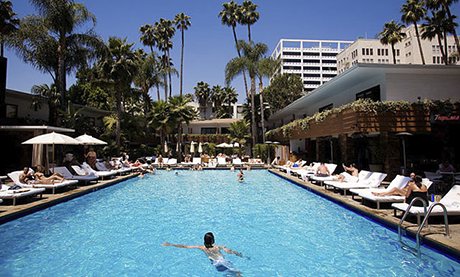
[237, 162]
[363, 175]
[14, 176]
[373, 181]
[451, 201]
[6, 193]
[69, 176]
[102, 174]
[102, 168]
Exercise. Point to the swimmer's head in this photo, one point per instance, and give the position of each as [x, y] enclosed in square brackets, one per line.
[208, 240]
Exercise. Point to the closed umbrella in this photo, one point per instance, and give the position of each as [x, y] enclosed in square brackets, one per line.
[166, 147]
[192, 147]
[200, 148]
[52, 138]
[90, 140]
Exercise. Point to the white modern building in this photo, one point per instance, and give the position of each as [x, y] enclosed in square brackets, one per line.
[407, 51]
[315, 61]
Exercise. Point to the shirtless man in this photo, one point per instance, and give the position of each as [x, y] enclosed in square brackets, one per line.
[26, 176]
[350, 173]
[213, 252]
[322, 171]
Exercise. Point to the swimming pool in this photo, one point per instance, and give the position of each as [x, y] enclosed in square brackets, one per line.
[283, 229]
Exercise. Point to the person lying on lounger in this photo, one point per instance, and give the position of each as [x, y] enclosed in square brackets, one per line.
[214, 253]
[414, 185]
[322, 171]
[40, 177]
[350, 173]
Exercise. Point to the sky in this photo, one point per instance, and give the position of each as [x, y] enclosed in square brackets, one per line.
[209, 45]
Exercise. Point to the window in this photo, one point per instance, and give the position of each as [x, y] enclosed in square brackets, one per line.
[311, 75]
[208, 131]
[364, 51]
[372, 93]
[397, 52]
[378, 52]
[371, 51]
[386, 52]
[224, 130]
[325, 108]
[11, 111]
[292, 53]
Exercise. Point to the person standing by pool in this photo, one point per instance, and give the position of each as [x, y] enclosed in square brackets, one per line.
[214, 253]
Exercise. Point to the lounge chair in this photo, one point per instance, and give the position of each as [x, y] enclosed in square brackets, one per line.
[237, 162]
[363, 175]
[6, 193]
[451, 201]
[196, 160]
[433, 176]
[101, 167]
[172, 162]
[373, 181]
[221, 161]
[69, 176]
[368, 194]
[101, 173]
[14, 176]
[321, 180]
[212, 163]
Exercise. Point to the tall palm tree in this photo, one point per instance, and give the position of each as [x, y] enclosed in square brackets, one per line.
[392, 33]
[230, 98]
[180, 113]
[118, 69]
[203, 96]
[412, 12]
[8, 25]
[230, 16]
[62, 18]
[159, 119]
[266, 68]
[163, 32]
[148, 36]
[249, 15]
[445, 4]
[51, 95]
[252, 54]
[435, 28]
[182, 22]
[217, 98]
[147, 76]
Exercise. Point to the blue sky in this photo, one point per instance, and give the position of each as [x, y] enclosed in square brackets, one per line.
[209, 44]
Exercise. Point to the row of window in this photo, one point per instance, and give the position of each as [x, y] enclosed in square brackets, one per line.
[316, 54]
[440, 60]
[289, 67]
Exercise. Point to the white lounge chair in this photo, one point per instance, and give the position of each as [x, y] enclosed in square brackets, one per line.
[237, 162]
[373, 181]
[363, 175]
[171, 162]
[101, 167]
[221, 161]
[14, 176]
[196, 160]
[433, 176]
[212, 163]
[101, 173]
[451, 201]
[368, 194]
[87, 178]
[331, 168]
[6, 193]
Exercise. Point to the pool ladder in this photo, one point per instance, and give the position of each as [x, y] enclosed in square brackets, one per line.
[424, 222]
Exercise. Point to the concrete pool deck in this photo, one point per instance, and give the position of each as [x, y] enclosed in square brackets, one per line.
[432, 235]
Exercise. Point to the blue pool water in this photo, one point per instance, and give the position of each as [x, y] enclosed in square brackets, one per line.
[282, 229]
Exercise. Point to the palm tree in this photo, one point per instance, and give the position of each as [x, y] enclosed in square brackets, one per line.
[159, 119]
[147, 76]
[230, 16]
[265, 68]
[180, 113]
[118, 69]
[249, 15]
[51, 95]
[182, 22]
[8, 25]
[252, 54]
[230, 98]
[163, 33]
[148, 36]
[412, 12]
[203, 94]
[445, 4]
[239, 132]
[392, 33]
[435, 28]
[61, 18]
[217, 98]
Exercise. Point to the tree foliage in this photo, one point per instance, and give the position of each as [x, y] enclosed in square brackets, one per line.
[282, 91]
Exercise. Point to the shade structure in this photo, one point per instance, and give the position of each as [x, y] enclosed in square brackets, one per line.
[192, 147]
[200, 148]
[225, 145]
[90, 140]
[52, 138]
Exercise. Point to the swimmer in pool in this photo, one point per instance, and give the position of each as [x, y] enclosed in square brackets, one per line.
[213, 252]
[240, 176]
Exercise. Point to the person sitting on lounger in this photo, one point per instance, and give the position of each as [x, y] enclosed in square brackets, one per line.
[27, 176]
[350, 174]
[414, 185]
[322, 171]
[214, 253]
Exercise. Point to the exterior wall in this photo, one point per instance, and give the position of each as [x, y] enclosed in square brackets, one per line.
[297, 145]
[313, 60]
[23, 103]
[370, 51]
[195, 127]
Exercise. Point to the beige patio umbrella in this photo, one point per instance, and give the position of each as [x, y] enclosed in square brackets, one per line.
[192, 147]
[52, 138]
[90, 140]
[200, 148]
[166, 147]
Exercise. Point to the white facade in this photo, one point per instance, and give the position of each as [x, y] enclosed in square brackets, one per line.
[315, 61]
[407, 51]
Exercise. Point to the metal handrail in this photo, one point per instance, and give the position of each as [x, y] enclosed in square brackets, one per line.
[427, 215]
[407, 212]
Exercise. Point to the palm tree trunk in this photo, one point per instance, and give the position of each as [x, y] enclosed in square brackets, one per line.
[441, 48]
[454, 32]
[262, 110]
[394, 53]
[179, 141]
[158, 92]
[118, 124]
[249, 32]
[445, 48]
[165, 80]
[419, 43]
[61, 72]
[181, 63]
[239, 55]
[253, 111]
[169, 76]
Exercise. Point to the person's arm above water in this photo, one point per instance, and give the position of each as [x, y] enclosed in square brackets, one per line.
[230, 251]
[180, 245]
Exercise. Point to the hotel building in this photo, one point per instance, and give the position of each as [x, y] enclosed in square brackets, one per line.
[313, 60]
[407, 51]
